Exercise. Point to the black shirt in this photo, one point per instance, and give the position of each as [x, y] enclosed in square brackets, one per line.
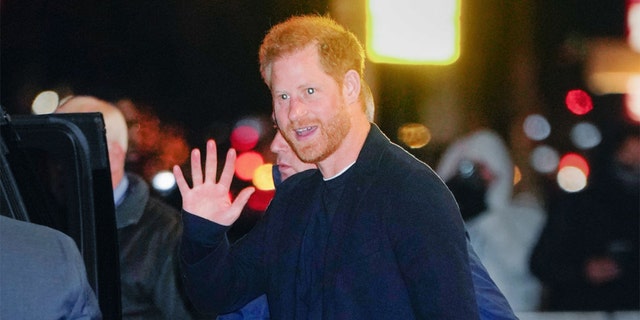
[314, 243]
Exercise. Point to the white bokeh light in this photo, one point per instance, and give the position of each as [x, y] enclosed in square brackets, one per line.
[163, 181]
[585, 135]
[536, 127]
[45, 102]
[544, 159]
[571, 179]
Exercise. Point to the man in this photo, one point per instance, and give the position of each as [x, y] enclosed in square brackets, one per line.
[42, 275]
[588, 254]
[148, 229]
[492, 304]
[372, 234]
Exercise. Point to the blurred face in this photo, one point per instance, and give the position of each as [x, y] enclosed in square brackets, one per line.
[287, 161]
[308, 105]
[629, 153]
[626, 165]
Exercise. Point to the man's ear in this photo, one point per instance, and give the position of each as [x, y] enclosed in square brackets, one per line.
[117, 155]
[351, 87]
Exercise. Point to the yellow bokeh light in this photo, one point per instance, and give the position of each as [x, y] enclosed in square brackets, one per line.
[262, 177]
[246, 165]
[413, 31]
[414, 135]
[517, 175]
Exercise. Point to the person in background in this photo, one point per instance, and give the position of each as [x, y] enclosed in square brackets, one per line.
[587, 254]
[479, 171]
[372, 234]
[148, 229]
[42, 274]
[153, 145]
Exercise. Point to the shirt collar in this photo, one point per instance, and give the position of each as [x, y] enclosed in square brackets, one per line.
[120, 190]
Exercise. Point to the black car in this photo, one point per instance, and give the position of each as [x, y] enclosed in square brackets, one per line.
[55, 171]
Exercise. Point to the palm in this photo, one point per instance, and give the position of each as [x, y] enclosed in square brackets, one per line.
[207, 198]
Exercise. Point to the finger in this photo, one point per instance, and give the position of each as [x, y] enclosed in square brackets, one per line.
[196, 167]
[211, 164]
[229, 166]
[180, 181]
[242, 198]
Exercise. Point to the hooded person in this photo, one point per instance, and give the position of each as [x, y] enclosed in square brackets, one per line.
[502, 230]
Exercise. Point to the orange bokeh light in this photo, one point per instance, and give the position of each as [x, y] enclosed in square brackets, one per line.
[247, 163]
[574, 160]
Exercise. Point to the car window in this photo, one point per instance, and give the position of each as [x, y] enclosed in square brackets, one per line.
[55, 172]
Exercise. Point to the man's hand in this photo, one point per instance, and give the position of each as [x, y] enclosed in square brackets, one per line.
[208, 199]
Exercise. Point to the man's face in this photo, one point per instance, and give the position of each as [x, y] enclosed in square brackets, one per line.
[287, 161]
[308, 105]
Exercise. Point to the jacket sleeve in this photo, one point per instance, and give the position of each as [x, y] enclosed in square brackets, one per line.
[219, 277]
[429, 241]
[492, 304]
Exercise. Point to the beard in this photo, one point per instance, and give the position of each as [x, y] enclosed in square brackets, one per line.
[331, 135]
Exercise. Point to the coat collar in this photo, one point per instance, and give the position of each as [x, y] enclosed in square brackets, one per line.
[129, 211]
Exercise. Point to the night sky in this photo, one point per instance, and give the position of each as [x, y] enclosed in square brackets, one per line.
[195, 61]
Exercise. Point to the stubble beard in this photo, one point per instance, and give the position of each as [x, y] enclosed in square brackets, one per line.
[331, 135]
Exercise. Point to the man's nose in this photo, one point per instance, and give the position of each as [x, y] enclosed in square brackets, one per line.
[297, 109]
[278, 143]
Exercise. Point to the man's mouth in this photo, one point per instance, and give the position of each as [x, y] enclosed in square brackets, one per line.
[305, 131]
[282, 165]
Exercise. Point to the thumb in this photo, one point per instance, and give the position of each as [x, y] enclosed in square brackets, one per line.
[242, 198]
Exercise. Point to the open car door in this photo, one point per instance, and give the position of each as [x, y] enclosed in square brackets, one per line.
[55, 171]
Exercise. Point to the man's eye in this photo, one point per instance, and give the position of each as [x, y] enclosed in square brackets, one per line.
[311, 90]
[284, 96]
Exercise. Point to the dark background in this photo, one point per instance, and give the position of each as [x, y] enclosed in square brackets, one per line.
[195, 62]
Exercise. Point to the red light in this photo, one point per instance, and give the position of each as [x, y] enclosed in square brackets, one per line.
[247, 163]
[578, 102]
[244, 138]
[574, 160]
[260, 199]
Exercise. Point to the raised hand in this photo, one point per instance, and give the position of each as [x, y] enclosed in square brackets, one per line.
[208, 199]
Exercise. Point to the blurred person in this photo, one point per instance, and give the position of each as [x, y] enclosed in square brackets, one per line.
[479, 171]
[587, 254]
[148, 229]
[42, 274]
[372, 234]
[153, 145]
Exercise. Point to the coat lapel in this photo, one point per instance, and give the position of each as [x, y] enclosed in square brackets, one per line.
[297, 208]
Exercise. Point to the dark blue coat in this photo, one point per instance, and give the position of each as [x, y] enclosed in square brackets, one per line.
[396, 247]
